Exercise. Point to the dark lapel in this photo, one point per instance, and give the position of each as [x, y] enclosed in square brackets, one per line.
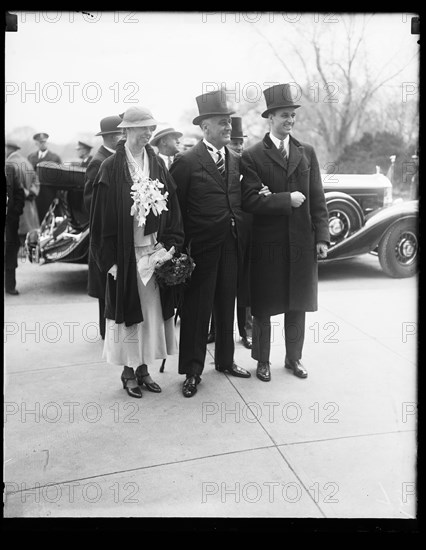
[103, 153]
[273, 152]
[295, 155]
[232, 165]
[208, 163]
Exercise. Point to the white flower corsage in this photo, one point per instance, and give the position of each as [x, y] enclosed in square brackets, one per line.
[147, 197]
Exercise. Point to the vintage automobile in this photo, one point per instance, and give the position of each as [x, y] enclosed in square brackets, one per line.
[63, 235]
[361, 216]
[350, 197]
[391, 233]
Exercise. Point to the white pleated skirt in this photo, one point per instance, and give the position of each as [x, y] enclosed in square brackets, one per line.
[141, 343]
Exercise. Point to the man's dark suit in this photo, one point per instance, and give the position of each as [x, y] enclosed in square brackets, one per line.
[47, 194]
[213, 218]
[96, 279]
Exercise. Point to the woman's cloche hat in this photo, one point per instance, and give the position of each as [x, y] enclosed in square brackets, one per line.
[137, 117]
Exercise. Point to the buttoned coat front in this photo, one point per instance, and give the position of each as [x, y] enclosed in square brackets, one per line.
[284, 266]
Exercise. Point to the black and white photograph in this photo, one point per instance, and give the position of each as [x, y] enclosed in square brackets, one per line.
[211, 266]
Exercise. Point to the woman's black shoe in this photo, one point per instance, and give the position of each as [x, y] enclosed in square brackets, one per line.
[133, 392]
[150, 386]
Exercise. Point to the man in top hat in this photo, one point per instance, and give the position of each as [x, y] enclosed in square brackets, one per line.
[209, 191]
[167, 143]
[243, 299]
[287, 241]
[244, 320]
[15, 197]
[111, 135]
[83, 151]
[47, 194]
[237, 135]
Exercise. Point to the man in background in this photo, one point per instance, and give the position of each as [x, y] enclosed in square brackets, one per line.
[15, 197]
[83, 151]
[244, 319]
[167, 143]
[25, 173]
[111, 135]
[188, 143]
[47, 193]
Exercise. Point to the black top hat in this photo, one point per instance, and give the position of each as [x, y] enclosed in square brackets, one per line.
[163, 133]
[109, 125]
[40, 136]
[237, 128]
[278, 97]
[212, 104]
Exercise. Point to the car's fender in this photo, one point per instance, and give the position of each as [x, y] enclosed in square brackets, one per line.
[334, 196]
[368, 237]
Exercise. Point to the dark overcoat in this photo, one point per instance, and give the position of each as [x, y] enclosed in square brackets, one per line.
[111, 237]
[96, 280]
[284, 265]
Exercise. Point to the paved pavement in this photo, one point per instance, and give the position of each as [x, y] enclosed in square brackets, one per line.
[340, 444]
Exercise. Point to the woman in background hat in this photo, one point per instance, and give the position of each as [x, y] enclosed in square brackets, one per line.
[139, 317]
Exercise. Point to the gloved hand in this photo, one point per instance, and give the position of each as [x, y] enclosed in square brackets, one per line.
[113, 271]
[147, 264]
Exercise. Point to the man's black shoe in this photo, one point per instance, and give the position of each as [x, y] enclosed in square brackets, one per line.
[246, 341]
[234, 370]
[263, 371]
[189, 387]
[297, 368]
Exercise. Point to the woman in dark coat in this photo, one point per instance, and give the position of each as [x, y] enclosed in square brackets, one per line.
[139, 315]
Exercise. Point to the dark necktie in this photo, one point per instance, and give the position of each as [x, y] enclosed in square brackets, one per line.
[220, 163]
[282, 150]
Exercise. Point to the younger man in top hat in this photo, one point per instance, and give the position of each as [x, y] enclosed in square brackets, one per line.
[47, 194]
[167, 143]
[287, 242]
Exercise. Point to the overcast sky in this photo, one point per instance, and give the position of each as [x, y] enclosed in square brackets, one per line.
[67, 70]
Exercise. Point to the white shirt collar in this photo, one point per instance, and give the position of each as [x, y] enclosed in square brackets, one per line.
[207, 144]
[109, 149]
[276, 141]
[42, 154]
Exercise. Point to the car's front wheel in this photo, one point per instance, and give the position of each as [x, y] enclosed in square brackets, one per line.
[343, 220]
[398, 249]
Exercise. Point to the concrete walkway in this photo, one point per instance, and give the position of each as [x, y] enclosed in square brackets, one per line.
[340, 444]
